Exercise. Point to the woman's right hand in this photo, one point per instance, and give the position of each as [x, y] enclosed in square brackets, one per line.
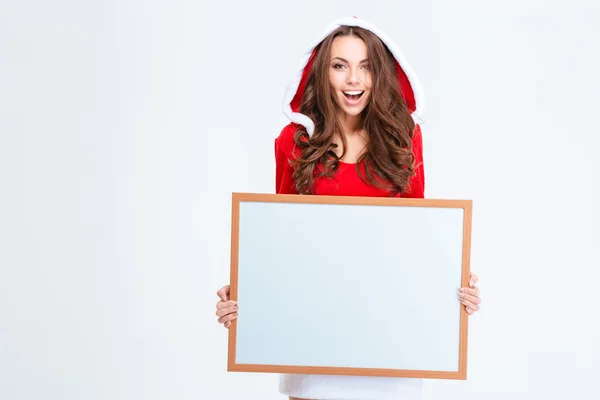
[227, 309]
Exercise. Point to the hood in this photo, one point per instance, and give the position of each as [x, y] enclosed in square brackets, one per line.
[409, 83]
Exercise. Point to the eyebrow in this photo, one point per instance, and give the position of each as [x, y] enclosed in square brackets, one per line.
[346, 61]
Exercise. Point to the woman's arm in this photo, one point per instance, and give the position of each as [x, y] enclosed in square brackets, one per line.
[284, 147]
[416, 187]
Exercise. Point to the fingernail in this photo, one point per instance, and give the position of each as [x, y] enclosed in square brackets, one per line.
[471, 283]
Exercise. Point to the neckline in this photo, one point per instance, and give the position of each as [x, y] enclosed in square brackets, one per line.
[347, 163]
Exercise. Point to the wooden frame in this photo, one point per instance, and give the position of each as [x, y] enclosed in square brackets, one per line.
[460, 372]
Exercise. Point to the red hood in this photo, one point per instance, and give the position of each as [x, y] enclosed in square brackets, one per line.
[409, 83]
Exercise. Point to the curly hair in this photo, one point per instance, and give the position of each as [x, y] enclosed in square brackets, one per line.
[388, 159]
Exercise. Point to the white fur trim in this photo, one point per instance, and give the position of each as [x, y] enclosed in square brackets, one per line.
[294, 83]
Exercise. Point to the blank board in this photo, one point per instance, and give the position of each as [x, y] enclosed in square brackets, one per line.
[349, 285]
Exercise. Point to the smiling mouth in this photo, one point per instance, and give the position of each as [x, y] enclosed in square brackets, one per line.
[353, 95]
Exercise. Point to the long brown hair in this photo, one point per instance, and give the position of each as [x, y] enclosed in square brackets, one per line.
[389, 160]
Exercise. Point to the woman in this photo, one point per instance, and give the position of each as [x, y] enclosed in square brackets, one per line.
[352, 134]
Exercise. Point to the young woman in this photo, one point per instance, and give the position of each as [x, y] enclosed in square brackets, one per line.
[352, 134]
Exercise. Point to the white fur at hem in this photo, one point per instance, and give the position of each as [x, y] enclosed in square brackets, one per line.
[333, 387]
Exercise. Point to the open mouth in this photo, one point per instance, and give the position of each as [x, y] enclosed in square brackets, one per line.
[353, 95]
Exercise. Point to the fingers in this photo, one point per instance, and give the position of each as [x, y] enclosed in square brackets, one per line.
[226, 309]
[469, 297]
[224, 292]
[473, 280]
[225, 304]
[226, 319]
[470, 291]
[469, 305]
[473, 299]
[470, 302]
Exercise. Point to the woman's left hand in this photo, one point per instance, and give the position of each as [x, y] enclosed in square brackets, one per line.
[469, 296]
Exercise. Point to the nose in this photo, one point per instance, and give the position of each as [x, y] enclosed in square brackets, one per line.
[352, 77]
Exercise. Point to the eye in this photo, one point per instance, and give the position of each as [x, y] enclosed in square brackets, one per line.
[337, 66]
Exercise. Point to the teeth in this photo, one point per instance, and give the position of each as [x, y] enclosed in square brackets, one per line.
[353, 92]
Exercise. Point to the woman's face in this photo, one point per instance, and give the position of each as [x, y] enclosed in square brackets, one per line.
[349, 74]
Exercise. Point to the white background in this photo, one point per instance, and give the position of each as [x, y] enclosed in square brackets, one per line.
[125, 126]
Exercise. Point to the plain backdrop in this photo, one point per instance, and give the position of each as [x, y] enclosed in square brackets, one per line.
[125, 126]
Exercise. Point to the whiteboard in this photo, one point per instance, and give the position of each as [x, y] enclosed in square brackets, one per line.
[349, 285]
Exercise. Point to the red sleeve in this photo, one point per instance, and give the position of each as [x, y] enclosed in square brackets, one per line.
[417, 182]
[284, 148]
